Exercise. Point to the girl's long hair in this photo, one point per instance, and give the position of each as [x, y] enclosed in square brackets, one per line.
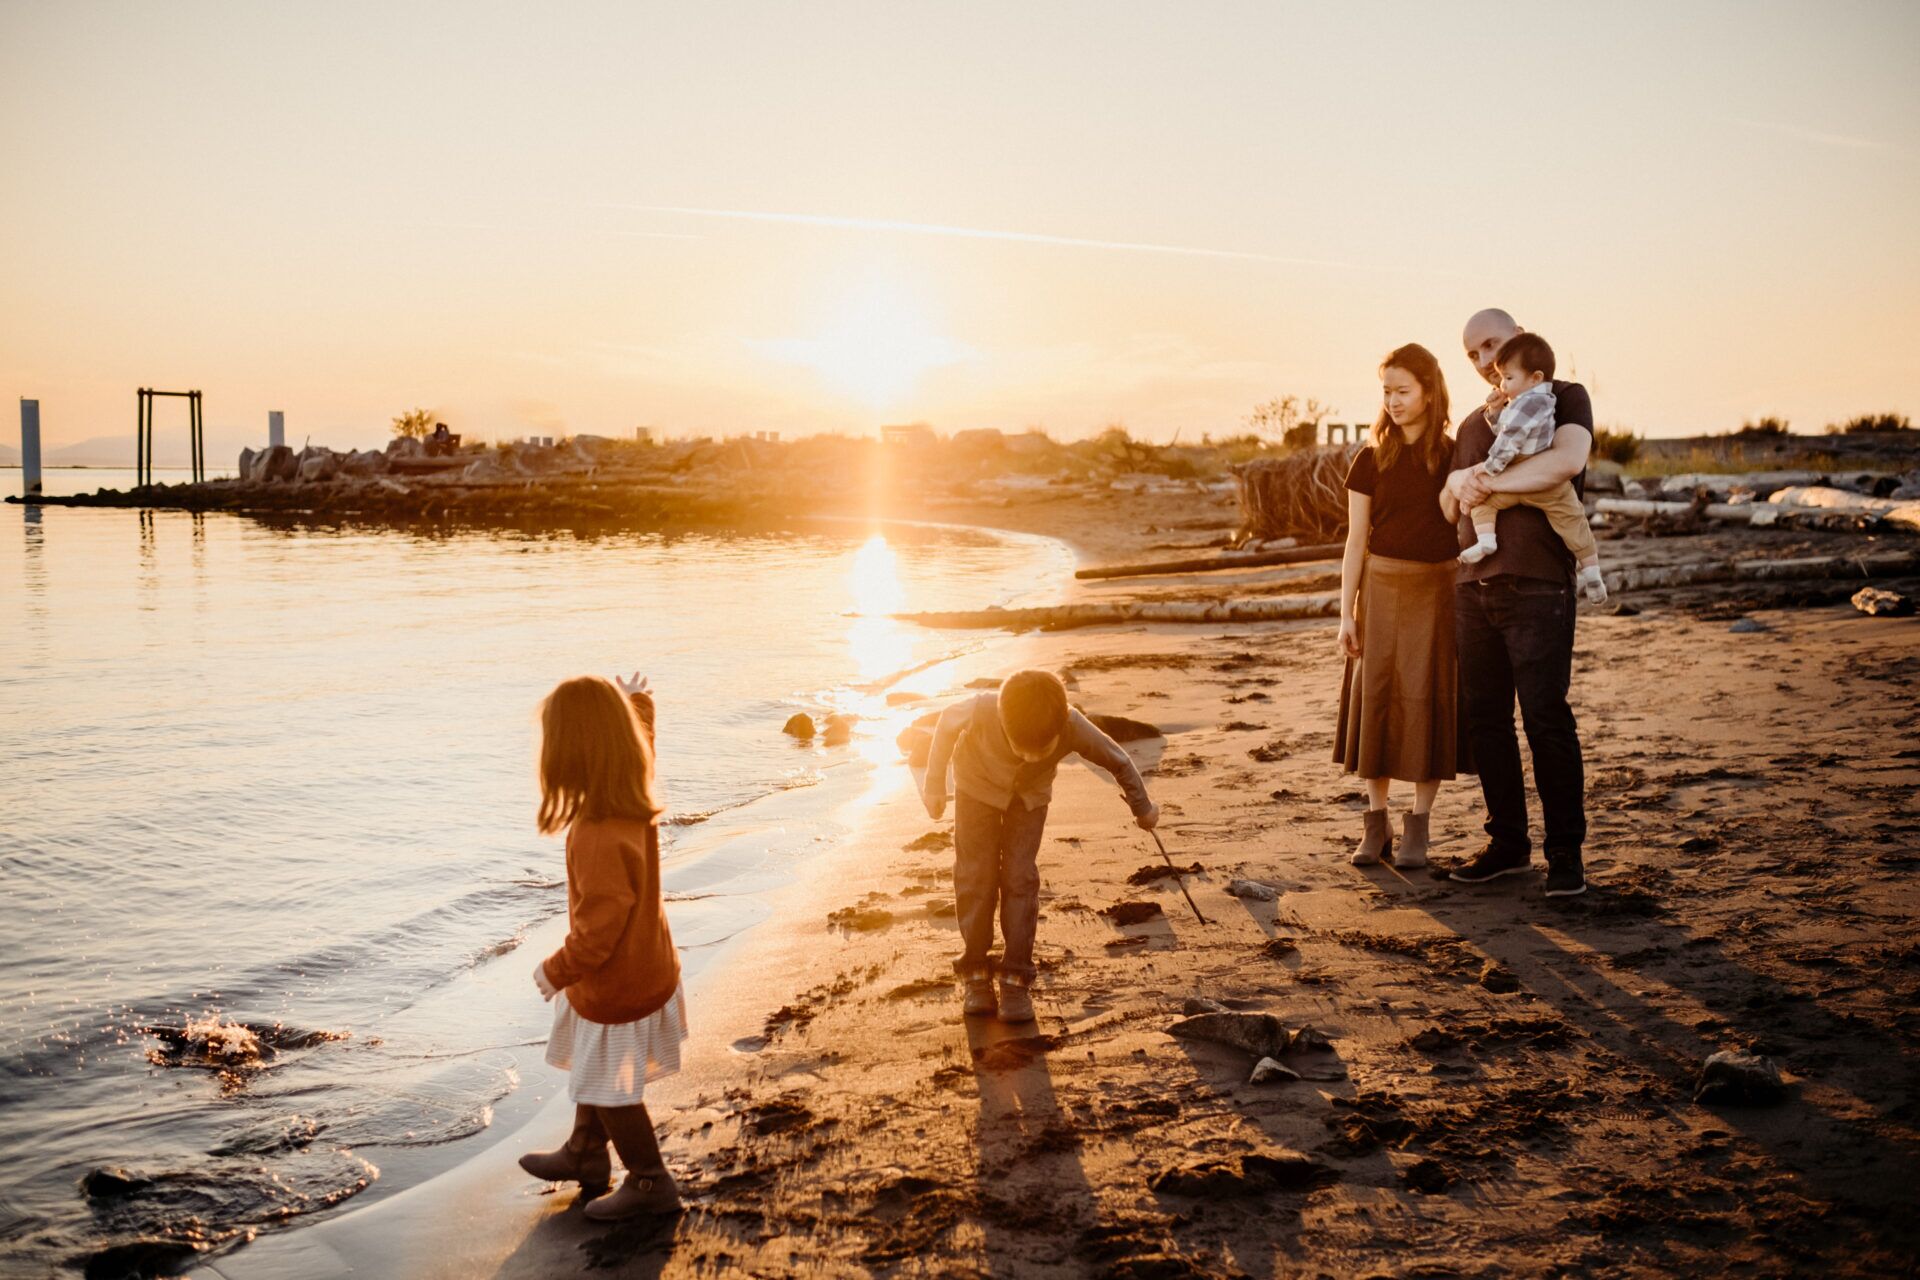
[596, 758]
[1435, 449]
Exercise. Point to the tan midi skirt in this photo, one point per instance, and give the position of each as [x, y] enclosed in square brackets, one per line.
[1400, 699]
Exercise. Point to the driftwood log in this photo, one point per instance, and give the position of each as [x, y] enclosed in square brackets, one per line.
[1208, 564]
[1901, 513]
[1875, 565]
[1324, 605]
[1303, 495]
[1785, 504]
[1879, 564]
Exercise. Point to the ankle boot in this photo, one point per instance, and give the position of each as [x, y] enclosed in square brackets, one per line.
[582, 1158]
[1375, 842]
[652, 1195]
[1413, 842]
[1016, 1003]
[648, 1188]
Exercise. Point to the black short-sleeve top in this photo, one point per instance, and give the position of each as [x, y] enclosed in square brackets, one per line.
[1406, 520]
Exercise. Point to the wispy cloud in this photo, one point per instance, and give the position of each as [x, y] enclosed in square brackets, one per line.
[980, 233]
[1842, 140]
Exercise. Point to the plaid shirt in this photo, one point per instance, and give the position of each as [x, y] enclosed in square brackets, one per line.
[1525, 428]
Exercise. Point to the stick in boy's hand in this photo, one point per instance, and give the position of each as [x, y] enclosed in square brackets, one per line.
[1176, 873]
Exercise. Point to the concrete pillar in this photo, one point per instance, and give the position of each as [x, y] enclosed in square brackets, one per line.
[30, 447]
[276, 428]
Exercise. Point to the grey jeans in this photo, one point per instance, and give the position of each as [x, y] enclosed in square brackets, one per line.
[996, 861]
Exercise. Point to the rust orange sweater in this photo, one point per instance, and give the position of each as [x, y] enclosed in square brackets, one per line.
[618, 963]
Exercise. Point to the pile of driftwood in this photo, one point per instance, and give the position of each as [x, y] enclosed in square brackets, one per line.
[1303, 495]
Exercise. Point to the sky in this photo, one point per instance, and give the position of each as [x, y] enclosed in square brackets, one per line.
[721, 217]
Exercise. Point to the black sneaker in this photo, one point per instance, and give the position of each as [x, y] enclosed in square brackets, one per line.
[1490, 864]
[1565, 878]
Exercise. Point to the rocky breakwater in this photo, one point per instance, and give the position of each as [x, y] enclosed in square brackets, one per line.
[583, 479]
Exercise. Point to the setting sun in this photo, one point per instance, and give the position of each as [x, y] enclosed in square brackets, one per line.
[874, 344]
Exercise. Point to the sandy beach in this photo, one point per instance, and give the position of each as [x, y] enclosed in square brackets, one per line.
[1498, 1084]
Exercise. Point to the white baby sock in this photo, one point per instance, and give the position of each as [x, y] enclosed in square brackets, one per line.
[1592, 585]
[1480, 550]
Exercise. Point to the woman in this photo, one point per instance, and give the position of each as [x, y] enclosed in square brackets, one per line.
[1400, 694]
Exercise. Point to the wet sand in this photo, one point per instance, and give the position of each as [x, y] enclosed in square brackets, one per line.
[1506, 1085]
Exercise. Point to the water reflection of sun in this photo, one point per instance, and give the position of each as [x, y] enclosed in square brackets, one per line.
[880, 644]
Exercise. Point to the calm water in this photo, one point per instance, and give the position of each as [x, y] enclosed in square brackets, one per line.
[274, 782]
[61, 481]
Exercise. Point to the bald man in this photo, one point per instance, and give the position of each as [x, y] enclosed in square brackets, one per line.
[1513, 617]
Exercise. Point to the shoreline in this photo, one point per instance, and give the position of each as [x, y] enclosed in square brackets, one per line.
[428, 1228]
[743, 861]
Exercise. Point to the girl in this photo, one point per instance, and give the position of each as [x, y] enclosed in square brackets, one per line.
[1399, 696]
[622, 1016]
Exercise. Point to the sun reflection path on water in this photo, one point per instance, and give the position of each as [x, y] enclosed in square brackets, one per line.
[882, 647]
[879, 642]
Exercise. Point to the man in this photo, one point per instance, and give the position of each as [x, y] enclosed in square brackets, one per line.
[1513, 616]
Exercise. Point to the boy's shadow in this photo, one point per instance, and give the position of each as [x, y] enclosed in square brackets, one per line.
[1034, 1200]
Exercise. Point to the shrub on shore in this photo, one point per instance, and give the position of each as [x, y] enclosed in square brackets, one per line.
[1868, 423]
[415, 424]
[1616, 445]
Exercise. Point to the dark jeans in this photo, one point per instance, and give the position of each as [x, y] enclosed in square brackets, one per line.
[1516, 638]
[996, 860]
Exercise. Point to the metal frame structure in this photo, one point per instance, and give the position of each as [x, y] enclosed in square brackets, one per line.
[143, 435]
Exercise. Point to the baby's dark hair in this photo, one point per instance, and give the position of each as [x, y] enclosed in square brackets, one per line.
[1033, 708]
[1528, 350]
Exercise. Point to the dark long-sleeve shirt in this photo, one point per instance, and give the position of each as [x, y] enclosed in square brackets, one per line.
[986, 767]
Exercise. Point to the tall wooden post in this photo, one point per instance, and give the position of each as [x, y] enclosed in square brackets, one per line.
[30, 447]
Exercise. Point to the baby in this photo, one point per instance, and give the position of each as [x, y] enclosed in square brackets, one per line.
[1524, 429]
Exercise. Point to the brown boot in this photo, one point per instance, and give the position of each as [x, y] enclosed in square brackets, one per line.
[653, 1195]
[1375, 842]
[1016, 1003]
[648, 1188]
[1413, 842]
[582, 1158]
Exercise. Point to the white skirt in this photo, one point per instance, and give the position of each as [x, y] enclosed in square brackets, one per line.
[611, 1064]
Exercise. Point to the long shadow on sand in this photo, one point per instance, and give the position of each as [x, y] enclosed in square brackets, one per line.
[1843, 1156]
[1032, 1195]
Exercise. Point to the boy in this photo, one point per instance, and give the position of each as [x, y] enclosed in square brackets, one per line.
[1005, 749]
[1525, 428]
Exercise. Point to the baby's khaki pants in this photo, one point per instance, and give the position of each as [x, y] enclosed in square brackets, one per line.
[1563, 510]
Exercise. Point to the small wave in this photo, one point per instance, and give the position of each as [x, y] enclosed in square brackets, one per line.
[494, 951]
[695, 817]
[236, 1050]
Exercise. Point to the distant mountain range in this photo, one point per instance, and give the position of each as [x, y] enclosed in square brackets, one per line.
[223, 447]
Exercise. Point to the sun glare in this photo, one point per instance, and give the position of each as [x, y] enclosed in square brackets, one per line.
[874, 344]
[880, 644]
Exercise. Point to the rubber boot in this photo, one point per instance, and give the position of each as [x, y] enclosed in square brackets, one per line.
[582, 1158]
[1376, 842]
[648, 1188]
[1413, 842]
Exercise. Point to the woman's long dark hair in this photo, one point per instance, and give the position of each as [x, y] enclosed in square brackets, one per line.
[1435, 448]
